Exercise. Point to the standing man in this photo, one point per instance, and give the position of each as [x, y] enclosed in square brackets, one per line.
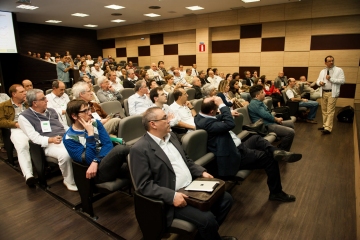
[62, 68]
[160, 168]
[329, 80]
[58, 100]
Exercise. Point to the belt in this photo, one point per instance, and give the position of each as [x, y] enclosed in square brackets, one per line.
[327, 90]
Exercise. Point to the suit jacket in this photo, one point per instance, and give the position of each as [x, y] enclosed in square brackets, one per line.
[249, 81]
[7, 114]
[128, 84]
[220, 141]
[153, 173]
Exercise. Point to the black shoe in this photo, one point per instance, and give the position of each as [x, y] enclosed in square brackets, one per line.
[282, 196]
[281, 155]
[325, 132]
[321, 128]
[228, 238]
[31, 181]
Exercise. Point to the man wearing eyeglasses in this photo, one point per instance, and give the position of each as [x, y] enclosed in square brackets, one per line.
[106, 92]
[42, 126]
[87, 142]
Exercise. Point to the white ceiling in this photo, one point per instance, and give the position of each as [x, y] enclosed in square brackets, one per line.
[133, 12]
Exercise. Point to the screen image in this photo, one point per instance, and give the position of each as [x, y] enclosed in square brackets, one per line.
[7, 35]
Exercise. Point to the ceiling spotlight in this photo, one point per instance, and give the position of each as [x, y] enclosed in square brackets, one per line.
[195, 8]
[53, 21]
[114, 7]
[90, 25]
[152, 15]
[249, 1]
[27, 7]
[79, 15]
[118, 20]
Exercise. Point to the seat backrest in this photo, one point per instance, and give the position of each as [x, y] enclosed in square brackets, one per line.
[131, 129]
[283, 92]
[170, 99]
[191, 93]
[238, 123]
[126, 93]
[243, 82]
[96, 88]
[195, 144]
[113, 107]
[268, 102]
[126, 107]
[197, 104]
[245, 112]
[68, 120]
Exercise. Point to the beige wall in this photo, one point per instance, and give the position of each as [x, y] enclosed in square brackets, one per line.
[296, 21]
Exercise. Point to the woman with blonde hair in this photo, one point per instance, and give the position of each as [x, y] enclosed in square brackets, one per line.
[223, 93]
[169, 86]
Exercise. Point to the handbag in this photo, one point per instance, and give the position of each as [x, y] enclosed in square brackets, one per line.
[258, 127]
[204, 200]
[282, 112]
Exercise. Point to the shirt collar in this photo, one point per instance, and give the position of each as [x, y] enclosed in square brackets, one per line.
[160, 141]
[206, 116]
[138, 96]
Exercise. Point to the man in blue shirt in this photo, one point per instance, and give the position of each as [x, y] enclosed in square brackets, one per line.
[257, 110]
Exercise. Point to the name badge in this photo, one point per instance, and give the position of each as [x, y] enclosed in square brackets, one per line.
[110, 95]
[45, 126]
[63, 107]
[282, 84]
[96, 116]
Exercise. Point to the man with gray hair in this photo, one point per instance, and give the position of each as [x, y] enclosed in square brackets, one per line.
[139, 102]
[155, 73]
[106, 92]
[58, 100]
[179, 79]
[129, 82]
[81, 90]
[42, 126]
[97, 71]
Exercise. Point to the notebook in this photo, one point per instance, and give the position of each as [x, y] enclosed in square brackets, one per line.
[205, 186]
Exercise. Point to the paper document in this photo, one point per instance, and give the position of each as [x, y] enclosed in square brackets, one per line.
[206, 186]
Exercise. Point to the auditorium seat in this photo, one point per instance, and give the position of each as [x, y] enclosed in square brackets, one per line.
[191, 93]
[131, 129]
[126, 93]
[113, 107]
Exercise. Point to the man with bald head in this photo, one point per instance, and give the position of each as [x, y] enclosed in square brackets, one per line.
[281, 81]
[58, 100]
[156, 74]
[27, 84]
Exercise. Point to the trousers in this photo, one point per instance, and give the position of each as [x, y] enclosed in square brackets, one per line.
[328, 104]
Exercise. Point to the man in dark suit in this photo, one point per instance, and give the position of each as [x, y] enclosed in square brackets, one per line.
[249, 80]
[232, 155]
[160, 167]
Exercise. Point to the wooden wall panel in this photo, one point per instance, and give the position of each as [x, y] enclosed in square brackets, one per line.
[273, 44]
[334, 7]
[298, 10]
[202, 21]
[225, 18]
[343, 102]
[250, 31]
[357, 91]
[120, 42]
[157, 50]
[187, 60]
[351, 74]
[269, 59]
[295, 72]
[272, 13]
[347, 90]
[296, 59]
[107, 43]
[121, 52]
[313, 73]
[250, 59]
[298, 28]
[109, 51]
[250, 45]
[271, 72]
[335, 25]
[186, 36]
[156, 39]
[118, 59]
[225, 33]
[358, 76]
[225, 46]
[225, 59]
[132, 51]
[171, 49]
[133, 59]
[297, 43]
[171, 60]
[171, 38]
[203, 60]
[135, 41]
[144, 61]
[273, 29]
[335, 42]
[156, 59]
[343, 58]
[143, 51]
[248, 15]
[184, 22]
[166, 25]
[187, 48]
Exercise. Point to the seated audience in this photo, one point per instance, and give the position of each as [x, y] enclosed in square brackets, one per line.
[235, 92]
[214, 80]
[131, 79]
[295, 97]
[81, 90]
[89, 60]
[257, 110]
[232, 155]
[160, 168]
[228, 77]
[194, 72]
[188, 77]
[97, 71]
[151, 84]
[27, 84]
[281, 81]
[203, 78]
[178, 79]
[139, 102]
[114, 81]
[156, 74]
[183, 109]
[58, 100]
[223, 93]
[306, 87]
[273, 92]
[83, 71]
[87, 142]
[254, 75]
[107, 92]
[249, 81]
[208, 90]
[41, 125]
[196, 84]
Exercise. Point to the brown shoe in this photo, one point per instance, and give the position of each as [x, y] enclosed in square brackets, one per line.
[311, 121]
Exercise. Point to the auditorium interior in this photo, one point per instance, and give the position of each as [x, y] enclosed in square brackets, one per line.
[269, 36]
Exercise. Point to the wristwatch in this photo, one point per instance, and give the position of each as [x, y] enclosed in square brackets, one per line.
[95, 161]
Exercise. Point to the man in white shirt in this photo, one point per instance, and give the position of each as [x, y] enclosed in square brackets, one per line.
[89, 60]
[179, 79]
[330, 79]
[155, 73]
[139, 102]
[58, 100]
[213, 79]
[188, 77]
[182, 71]
[194, 72]
[97, 71]
[183, 109]
[115, 81]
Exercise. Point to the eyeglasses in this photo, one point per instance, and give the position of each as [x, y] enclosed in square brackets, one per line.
[163, 118]
[41, 99]
[85, 110]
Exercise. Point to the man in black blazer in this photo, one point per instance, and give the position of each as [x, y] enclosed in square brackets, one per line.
[232, 155]
[160, 167]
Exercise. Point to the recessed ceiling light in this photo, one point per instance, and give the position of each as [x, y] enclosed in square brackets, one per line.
[53, 21]
[28, 7]
[114, 6]
[249, 1]
[79, 15]
[194, 8]
[152, 15]
[90, 25]
[154, 7]
[118, 20]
